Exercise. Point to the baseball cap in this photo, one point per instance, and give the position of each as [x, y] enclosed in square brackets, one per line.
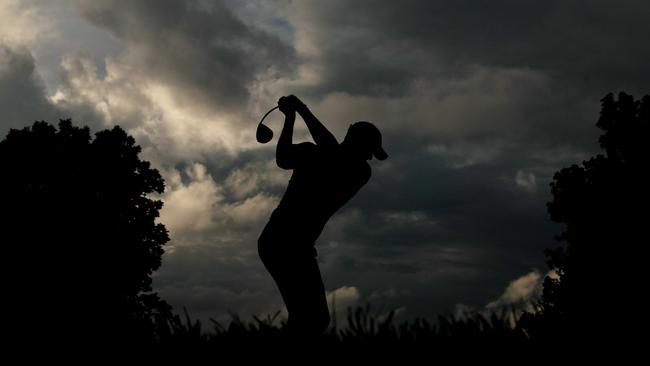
[372, 136]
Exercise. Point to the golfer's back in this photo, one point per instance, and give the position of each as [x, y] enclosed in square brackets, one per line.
[321, 183]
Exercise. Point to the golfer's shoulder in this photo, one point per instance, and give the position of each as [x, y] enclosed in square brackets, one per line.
[306, 145]
[306, 148]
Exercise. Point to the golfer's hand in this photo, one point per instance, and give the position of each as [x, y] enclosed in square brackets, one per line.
[285, 106]
[296, 103]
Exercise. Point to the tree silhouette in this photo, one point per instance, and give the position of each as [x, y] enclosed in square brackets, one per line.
[603, 205]
[79, 236]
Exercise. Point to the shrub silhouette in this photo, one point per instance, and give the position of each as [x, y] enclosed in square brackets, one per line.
[79, 236]
[603, 205]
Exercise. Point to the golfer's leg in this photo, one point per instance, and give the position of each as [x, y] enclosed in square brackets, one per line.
[304, 294]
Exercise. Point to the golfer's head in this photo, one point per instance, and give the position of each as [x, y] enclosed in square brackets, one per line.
[365, 138]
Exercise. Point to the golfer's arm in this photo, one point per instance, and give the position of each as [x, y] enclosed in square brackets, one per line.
[283, 150]
[322, 136]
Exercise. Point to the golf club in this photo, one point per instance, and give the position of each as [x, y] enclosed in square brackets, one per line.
[264, 133]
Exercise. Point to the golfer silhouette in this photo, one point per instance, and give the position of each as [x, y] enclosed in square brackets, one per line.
[325, 176]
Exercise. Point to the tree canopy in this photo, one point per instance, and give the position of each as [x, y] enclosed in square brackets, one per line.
[79, 231]
[603, 205]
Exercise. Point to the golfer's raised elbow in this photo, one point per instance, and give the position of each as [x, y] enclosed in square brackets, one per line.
[283, 163]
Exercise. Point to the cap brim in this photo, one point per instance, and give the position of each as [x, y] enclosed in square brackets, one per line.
[380, 154]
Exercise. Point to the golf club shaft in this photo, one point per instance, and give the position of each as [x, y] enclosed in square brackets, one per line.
[267, 113]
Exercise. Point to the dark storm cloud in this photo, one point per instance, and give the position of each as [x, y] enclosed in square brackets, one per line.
[371, 47]
[449, 235]
[495, 96]
[479, 102]
[22, 99]
[470, 96]
[200, 48]
[212, 282]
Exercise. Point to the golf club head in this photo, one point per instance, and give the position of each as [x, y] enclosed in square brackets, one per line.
[264, 134]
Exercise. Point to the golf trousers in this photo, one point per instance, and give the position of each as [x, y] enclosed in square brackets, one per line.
[293, 265]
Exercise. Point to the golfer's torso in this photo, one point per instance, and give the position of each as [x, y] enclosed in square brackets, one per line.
[317, 190]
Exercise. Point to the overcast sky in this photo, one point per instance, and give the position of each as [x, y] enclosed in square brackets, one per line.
[479, 103]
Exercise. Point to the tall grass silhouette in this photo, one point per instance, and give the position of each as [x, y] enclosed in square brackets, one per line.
[363, 328]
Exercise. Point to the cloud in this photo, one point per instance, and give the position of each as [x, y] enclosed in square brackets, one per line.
[520, 292]
[22, 98]
[183, 82]
[464, 154]
[253, 210]
[255, 177]
[340, 301]
[478, 105]
[212, 278]
[526, 180]
[520, 295]
[344, 297]
[467, 73]
[194, 203]
[169, 131]
[104, 101]
[408, 40]
[211, 265]
[201, 50]
[408, 218]
[189, 206]
[23, 23]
